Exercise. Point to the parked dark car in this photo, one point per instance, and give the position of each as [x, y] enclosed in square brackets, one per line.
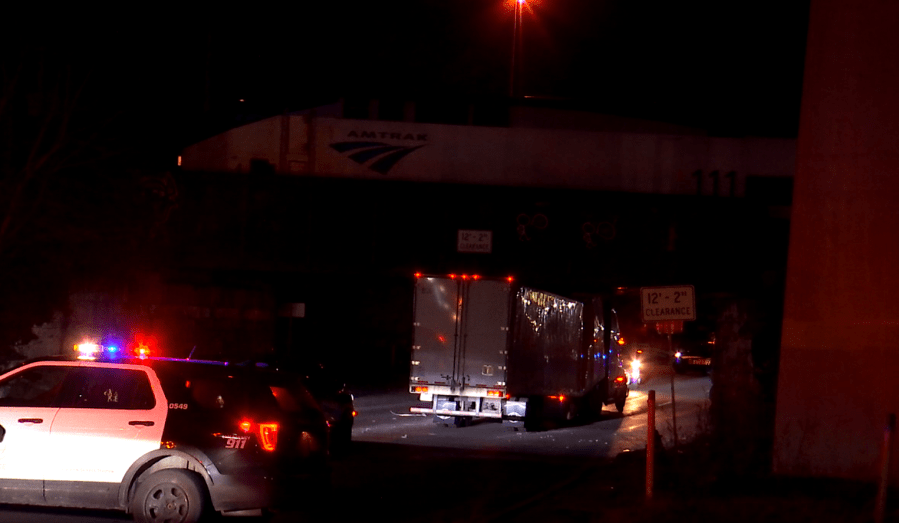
[694, 350]
[336, 401]
[308, 383]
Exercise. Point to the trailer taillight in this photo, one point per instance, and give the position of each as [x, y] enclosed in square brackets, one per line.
[419, 390]
[494, 394]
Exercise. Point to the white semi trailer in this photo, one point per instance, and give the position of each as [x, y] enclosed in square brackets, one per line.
[491, 348]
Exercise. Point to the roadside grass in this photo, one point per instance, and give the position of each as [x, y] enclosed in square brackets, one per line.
[689, 488]
[706, 480]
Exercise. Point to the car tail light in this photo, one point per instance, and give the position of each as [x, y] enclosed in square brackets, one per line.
[268, 435]
[267, 432]
[619, 379]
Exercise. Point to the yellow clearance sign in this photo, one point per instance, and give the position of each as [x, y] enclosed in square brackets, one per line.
[673, 302]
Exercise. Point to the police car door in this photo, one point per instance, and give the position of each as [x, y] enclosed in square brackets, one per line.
[27, 408]
[109, 416]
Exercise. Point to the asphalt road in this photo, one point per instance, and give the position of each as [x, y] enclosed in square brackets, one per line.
[385, 418]
[404, 467]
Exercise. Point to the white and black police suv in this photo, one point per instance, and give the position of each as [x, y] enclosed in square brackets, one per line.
[162, 439]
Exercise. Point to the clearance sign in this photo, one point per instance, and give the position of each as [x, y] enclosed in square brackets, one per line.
[670, 303]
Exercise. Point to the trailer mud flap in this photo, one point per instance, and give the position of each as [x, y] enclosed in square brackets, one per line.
[514, 413]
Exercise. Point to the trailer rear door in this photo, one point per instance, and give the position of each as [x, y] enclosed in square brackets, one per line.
[435, 331]
[461, 332]
[485, 332]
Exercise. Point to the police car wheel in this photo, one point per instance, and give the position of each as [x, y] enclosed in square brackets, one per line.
[175, 496]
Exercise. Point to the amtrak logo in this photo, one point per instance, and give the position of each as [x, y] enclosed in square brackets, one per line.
[378, 156]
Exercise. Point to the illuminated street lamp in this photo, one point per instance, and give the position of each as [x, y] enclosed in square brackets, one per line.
[516, 50]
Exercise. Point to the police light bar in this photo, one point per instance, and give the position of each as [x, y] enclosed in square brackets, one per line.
[142, 351]
[87, 350]
[90, 351]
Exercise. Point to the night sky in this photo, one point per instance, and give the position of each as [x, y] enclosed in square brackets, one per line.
[110, 98]
[732, 67]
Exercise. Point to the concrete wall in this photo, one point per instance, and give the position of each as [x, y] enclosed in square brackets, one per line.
[839, 370]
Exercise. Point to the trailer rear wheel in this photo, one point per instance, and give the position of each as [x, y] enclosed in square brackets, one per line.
[534, 417]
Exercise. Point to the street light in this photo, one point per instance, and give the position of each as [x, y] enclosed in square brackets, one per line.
[516, 50]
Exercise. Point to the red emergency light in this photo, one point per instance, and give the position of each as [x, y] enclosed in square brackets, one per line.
[142, 351]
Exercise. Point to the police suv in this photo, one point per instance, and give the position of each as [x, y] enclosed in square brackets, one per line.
[162, 439]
